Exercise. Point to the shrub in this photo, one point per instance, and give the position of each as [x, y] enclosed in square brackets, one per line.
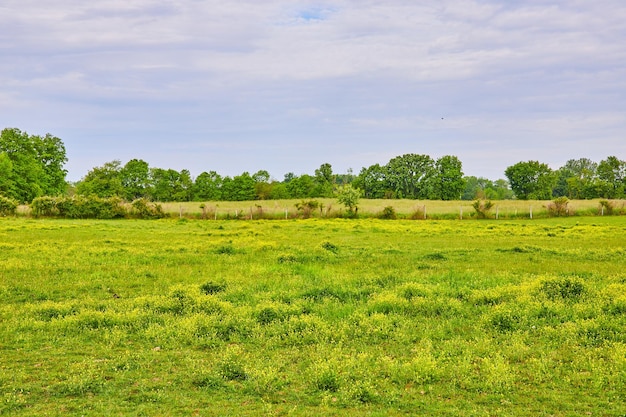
[92, 207]
[44, 206]
[306, 208]
[144, 209]
[388, 213]
[482, 207]
[606, 207]
[8, 206]
[558, 207]
[418, 214]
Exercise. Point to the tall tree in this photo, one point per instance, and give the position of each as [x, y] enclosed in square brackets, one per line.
[411, 175]
[135, 177]
[262, 186]
[36, 164]
[576, 179]
[531, 180]
[207, 187]
[612, 176]
[104, 181]
[238, 188]
[373, 181]
[6, 172]
[302, 186]
[324, 181]
[448, 182]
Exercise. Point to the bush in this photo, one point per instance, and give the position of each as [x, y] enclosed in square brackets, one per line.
[143, 209]
[606, 207]
[483, 208]
[92, 207]
[44, 206]
[388, 213]
[8, 206]
[306, 208]
[418, 214]
[558, 207]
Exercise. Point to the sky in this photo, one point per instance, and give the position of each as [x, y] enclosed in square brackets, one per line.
[288, 85]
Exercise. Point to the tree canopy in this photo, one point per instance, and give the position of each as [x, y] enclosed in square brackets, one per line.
[30, 165]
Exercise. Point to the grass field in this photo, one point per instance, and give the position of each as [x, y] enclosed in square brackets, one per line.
[313, 317]
[511, 209]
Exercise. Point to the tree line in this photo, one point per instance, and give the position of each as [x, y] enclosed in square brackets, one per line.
[33, 166]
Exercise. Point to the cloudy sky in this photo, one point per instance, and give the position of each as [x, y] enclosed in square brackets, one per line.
[287, 85]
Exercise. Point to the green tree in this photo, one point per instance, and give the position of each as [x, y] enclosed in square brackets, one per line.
[301, 187]
[349, 197]
[238, 188]
[531, 180]
[372, 180]
[448, 183]
[576, 179]
[612, 177]
[6, 173]
[411, 175]
[104, 181]
[135, 178]
[36, 164]
[170, 185]
[324, 181]
[208, 187]
[262, 186]
[51, 154]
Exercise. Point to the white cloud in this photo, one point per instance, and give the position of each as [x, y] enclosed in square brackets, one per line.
[369, 74]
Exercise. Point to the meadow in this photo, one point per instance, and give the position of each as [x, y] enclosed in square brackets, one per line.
[360, 317]
[404, 208]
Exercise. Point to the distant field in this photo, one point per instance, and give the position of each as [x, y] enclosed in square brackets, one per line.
[313, 317]
[404, 208]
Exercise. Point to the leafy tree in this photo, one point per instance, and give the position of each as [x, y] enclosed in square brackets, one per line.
[448, 183]
[279, 191]
[135, 178]
[301, 187]
[52, 155]
[411, 175]
[531, 180]
[238, 188]
[207, 187]
[500, 190]
[170, 185]
[576, 179]
[183, 187]
[104, 181]
[36, 164]
[372, 181]
[6, 173]
[480, 188]
[324, 181]
[347, 178]
[262, 186]
[349, 197]
[612, 176]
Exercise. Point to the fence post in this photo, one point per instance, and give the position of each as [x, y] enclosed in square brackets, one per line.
[461, 214]
[531, 212]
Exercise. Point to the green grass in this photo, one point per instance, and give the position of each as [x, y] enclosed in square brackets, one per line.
[313, 317]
